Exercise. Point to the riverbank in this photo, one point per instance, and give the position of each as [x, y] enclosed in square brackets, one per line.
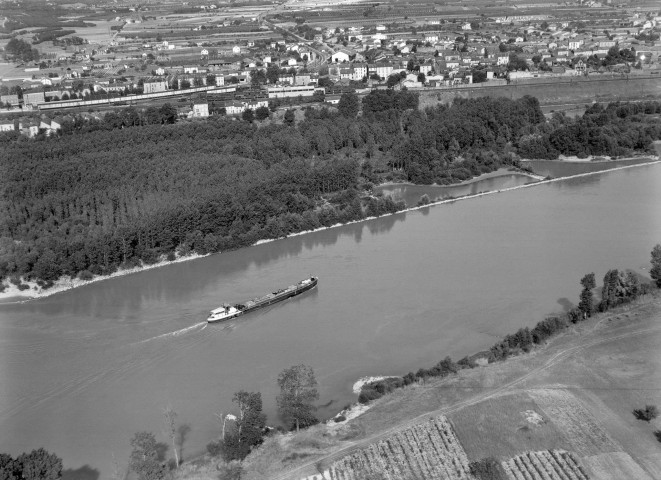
[501, 172]
[12, 294]
[589, 159]
[492, 407]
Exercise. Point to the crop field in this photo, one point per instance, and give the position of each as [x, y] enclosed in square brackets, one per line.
[544, 465]
[583, 432]
[428, 450]
[615, 466]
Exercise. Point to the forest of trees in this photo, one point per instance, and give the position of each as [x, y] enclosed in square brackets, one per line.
[134, 187]
[614, 130]
[20, 50]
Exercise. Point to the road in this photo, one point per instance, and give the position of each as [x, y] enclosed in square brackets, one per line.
[299, 472]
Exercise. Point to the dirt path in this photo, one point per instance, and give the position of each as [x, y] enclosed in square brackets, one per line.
[297, 473]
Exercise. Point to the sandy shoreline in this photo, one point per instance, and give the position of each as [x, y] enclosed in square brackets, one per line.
[13, 295]
[588, 159]
[501, 172]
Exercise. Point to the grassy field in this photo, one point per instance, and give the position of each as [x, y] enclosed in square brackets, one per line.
[572, 399]
[506, 425]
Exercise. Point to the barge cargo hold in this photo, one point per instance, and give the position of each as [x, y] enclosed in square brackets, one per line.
[226, 311]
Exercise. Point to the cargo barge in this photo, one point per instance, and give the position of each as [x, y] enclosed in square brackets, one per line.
[226, 311]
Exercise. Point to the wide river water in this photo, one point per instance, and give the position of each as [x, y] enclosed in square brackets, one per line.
[82, 371]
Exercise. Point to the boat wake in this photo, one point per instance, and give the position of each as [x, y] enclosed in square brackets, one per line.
[176, 333]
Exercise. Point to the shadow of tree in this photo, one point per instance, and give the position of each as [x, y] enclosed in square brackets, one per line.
[83, 473]
[565, 304]
[657, 434]
[161, 451]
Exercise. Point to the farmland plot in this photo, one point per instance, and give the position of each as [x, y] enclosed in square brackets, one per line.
[426, 451]
[615, 466]
[545, 465]
[584, 434]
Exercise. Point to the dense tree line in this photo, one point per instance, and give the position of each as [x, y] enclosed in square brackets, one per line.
[132, 187]
[616, 129]
[37, 465]
[446, 144]
[88, 203]
[17, 49]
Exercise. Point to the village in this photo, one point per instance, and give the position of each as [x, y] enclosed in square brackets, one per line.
[211, 60]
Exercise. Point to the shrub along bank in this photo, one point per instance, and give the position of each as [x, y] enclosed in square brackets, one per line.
[619, 288]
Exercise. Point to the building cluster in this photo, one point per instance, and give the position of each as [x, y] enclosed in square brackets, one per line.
[432, 54]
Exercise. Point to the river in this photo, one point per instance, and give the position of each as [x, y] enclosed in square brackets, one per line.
[82, 371]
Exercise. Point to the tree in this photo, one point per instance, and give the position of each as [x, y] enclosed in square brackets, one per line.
[262, 113]
[211, 79]
[249, 426]
[168, 113]
[586, 304]
[258, 77]
[144, 460]
[348, 105]
[273, 73]
[184, 84]
[170, 424]
[290, 117]
[649, 413]
[39, 465]
[298, 389]
[393, 80]
[8, 468]
[198, 82]
[421, 77]
[655, 271]
[248, 115]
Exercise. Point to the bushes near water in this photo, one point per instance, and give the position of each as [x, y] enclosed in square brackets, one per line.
[619, 288]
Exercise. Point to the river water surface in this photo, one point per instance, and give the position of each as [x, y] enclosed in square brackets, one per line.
[82, 371]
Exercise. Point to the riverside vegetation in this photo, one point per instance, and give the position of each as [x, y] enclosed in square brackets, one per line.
[399, 455]
[132, 188]
[618, 288]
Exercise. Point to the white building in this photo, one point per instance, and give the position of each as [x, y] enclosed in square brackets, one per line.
[153, 87]
[201, 110]
[383, 70]
[282, 91]
[340, 56]
[236, 107]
